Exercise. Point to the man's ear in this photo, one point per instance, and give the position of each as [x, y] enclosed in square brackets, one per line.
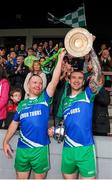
[83, 82]
[11, 97]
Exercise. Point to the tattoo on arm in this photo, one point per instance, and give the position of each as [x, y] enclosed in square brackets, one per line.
[96, 71]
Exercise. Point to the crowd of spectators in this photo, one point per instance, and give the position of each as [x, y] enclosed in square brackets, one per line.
[20, 63]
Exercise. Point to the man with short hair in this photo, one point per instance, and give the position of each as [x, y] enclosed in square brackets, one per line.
[78, 155]
[33, 115]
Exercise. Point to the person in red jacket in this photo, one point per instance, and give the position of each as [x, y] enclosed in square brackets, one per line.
[14, 99]
[4, 94]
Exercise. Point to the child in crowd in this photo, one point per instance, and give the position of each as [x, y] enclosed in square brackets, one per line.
[14, 99]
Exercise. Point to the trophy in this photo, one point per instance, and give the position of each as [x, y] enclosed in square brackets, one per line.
[59, 132]
[78, 42]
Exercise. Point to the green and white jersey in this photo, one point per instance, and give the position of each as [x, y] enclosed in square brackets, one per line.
[77, 113]
[33, 115]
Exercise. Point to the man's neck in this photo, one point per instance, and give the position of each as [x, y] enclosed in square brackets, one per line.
[75, 92]
[32, 97]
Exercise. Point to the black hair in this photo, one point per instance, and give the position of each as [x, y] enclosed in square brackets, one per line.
[3, 73]
[30, 48]
[76, 70]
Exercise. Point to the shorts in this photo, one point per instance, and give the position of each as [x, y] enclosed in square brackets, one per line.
[79, 159]
[36, 159]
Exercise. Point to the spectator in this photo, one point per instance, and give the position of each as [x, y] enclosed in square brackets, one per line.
[62, 88]
[4, 94]
[101, 124]
[40, 52]
[28, 61]
[14, 98]
[102, 48]
[18, 75]
[22, 51]
[11, 63]
[106, 60]
[106, 65]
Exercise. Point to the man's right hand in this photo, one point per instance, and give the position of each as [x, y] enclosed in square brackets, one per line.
[62, 53]
[8, 150]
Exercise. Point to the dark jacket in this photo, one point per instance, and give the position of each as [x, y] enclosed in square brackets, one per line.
[101, 124]
[17, 78]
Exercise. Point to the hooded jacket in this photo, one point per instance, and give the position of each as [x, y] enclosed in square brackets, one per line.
[4, 96]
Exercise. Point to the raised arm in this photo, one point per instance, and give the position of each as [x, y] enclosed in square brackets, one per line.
[56, 74]
[94, 81]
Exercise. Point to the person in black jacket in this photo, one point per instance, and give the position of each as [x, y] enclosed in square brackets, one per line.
[101, 124]
[18, 74]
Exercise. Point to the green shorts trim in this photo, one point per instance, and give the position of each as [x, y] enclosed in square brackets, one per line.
[36, 159]
[79, 159]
